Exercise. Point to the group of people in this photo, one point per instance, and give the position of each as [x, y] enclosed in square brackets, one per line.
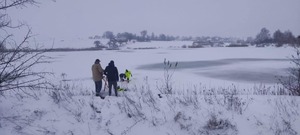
[111, 74]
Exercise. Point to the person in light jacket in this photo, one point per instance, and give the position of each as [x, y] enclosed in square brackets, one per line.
[112, 74]
[97, 71]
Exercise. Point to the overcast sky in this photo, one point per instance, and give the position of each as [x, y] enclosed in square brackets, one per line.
[226, 18]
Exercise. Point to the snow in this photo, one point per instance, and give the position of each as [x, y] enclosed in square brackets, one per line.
[77, 64]
[222, 82]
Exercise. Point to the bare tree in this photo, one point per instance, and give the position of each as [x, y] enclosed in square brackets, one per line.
[144, 33]
[169, 69]
[17, 63]
[292, 81]
[5, 4]
[97, 43]
[263, 37]
[108, 35]
[278, 37]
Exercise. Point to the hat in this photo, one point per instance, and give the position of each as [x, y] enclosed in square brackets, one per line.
[97, 61]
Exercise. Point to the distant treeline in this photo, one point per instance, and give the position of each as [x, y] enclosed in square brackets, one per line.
[143, 37]
[279, 38]
[263, 37]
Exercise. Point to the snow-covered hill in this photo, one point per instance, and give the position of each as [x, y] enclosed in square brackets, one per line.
[212, 93]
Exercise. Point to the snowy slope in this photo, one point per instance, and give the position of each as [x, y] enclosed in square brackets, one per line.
[200, 102]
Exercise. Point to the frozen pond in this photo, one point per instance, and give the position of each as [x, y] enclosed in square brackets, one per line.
[240, 69]
[208, 66]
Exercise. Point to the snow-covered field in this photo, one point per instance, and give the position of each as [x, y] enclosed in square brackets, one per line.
[214, 91]
[243, 67]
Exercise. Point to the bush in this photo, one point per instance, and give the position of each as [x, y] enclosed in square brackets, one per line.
[292, 81]
[213, 123]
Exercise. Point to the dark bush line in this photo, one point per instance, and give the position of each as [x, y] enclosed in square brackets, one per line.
[235, 45]
[55, 50]
[196, 46]
[72, 49]
[141, 48]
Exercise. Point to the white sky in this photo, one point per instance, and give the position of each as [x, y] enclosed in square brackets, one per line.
[226, 18]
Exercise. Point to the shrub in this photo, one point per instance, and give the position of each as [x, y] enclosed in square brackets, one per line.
[292, 81]
[220, 126]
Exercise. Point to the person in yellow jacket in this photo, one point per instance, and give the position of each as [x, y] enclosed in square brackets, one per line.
[128, 75]
[97, 71]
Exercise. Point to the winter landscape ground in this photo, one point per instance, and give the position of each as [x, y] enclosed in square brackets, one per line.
[211, 91]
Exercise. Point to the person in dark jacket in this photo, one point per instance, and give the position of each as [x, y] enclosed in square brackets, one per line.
[112, 74]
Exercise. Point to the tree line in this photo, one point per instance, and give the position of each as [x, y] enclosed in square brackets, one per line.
[263, 37]
[278, 37]
[144, 36]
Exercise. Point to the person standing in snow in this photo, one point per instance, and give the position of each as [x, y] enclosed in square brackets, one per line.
[128, 75]
[112, 74]
[97, 71]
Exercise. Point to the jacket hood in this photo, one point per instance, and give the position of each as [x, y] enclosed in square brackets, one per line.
[111, 63]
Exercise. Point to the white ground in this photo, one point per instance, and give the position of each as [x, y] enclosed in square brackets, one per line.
[77, 64]
[187, 111]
